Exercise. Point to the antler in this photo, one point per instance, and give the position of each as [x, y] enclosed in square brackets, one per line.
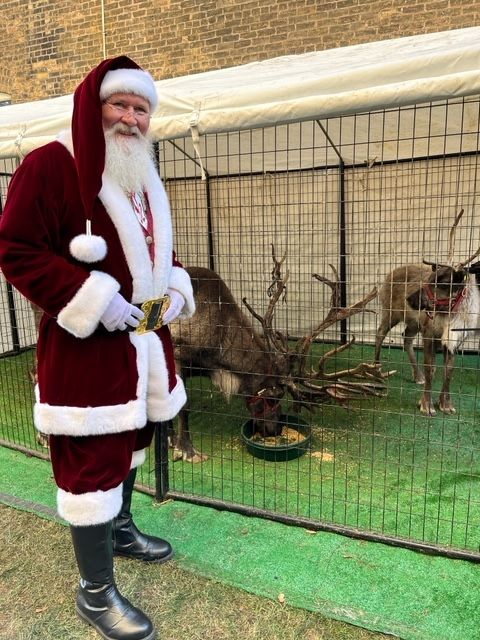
[308, 388]
[316, 384]
[451, 245]
[451, 237]
[276, 341]
[451, 248]
[336, 313]
[472, 257]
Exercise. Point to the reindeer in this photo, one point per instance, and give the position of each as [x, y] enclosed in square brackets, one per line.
[439, 301]
[221, 343]
[42, 438]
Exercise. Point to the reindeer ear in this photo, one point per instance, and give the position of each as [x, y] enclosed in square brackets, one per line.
[434, 265]
[415, 300]
[474, 268]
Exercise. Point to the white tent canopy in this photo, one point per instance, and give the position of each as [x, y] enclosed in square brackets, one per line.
[372, 105]
[321, 84]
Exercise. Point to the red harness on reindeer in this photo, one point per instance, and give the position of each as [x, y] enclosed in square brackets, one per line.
[444, 304]
[261, 406]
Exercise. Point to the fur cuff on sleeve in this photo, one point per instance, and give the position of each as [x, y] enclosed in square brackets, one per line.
[82, 314]
[180, 280]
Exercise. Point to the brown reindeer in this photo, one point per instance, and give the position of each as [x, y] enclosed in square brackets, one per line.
[221, 343]
[42, 438]
[37, 316]
[438, 301]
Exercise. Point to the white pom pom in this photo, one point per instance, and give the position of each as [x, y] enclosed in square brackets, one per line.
[87, 248]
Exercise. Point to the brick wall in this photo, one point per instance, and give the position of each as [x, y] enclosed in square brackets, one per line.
[49, 45]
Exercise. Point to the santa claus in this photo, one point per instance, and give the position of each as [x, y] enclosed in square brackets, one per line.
[86, 235]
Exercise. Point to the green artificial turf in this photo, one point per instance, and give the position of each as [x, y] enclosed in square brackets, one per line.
[379, 465]
[404, 593]
[16, 399]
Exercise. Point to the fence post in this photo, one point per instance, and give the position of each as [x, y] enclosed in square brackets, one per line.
[13, 318]
[161, 459]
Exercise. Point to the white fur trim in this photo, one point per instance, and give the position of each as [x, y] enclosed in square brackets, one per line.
[132, 239]
[88, 248]
[138, 458]
[162, 223]
[160, 410]
[467, 315]
[153, 402]
[180, 280]
[83, 421]
[146, 284]
[136, 81]
[161, 405]
[94, 507]
[82, 314]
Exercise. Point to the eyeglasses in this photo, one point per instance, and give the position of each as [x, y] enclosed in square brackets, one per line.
[122, 109]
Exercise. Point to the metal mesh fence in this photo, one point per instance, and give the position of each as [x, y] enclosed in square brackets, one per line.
[364, 194]
[17, 357]
[348, 199]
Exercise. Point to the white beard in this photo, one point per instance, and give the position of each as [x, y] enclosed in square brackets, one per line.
[128, 159]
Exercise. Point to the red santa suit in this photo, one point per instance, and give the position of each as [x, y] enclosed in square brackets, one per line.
[97, 390]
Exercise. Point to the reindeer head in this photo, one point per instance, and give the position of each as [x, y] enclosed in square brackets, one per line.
[309, 386]
[445, 288]
[265, 409]
[443, 291]
[475, 269]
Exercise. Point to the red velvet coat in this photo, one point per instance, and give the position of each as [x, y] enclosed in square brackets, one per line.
[91, 381]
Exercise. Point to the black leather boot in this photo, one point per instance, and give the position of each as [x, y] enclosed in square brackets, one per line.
[99, 602]
[128, 541]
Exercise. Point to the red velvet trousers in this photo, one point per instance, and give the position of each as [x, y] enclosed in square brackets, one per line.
[96, 463]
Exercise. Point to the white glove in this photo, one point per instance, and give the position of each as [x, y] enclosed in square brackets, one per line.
[177, 302]
[119, 313]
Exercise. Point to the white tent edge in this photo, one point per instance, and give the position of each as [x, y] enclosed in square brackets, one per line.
[342, 81]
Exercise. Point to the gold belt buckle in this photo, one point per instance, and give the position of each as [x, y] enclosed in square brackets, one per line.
[153, 310]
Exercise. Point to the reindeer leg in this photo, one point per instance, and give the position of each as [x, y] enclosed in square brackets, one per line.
[181, 442]
[388, 320]
[445, 403]
[382, 331]
[42, 439]
[426, 403]
[409, 334]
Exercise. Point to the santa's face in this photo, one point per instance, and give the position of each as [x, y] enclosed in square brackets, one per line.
[130, 110]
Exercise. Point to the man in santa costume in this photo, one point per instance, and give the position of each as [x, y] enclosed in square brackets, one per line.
[86, 235]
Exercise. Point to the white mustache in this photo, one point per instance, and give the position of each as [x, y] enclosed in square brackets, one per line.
[121, 127]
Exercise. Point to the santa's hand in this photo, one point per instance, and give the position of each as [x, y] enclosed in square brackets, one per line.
[177, 302]
[121, 313]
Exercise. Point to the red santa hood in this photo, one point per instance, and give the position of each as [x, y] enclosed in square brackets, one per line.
[115, 75]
